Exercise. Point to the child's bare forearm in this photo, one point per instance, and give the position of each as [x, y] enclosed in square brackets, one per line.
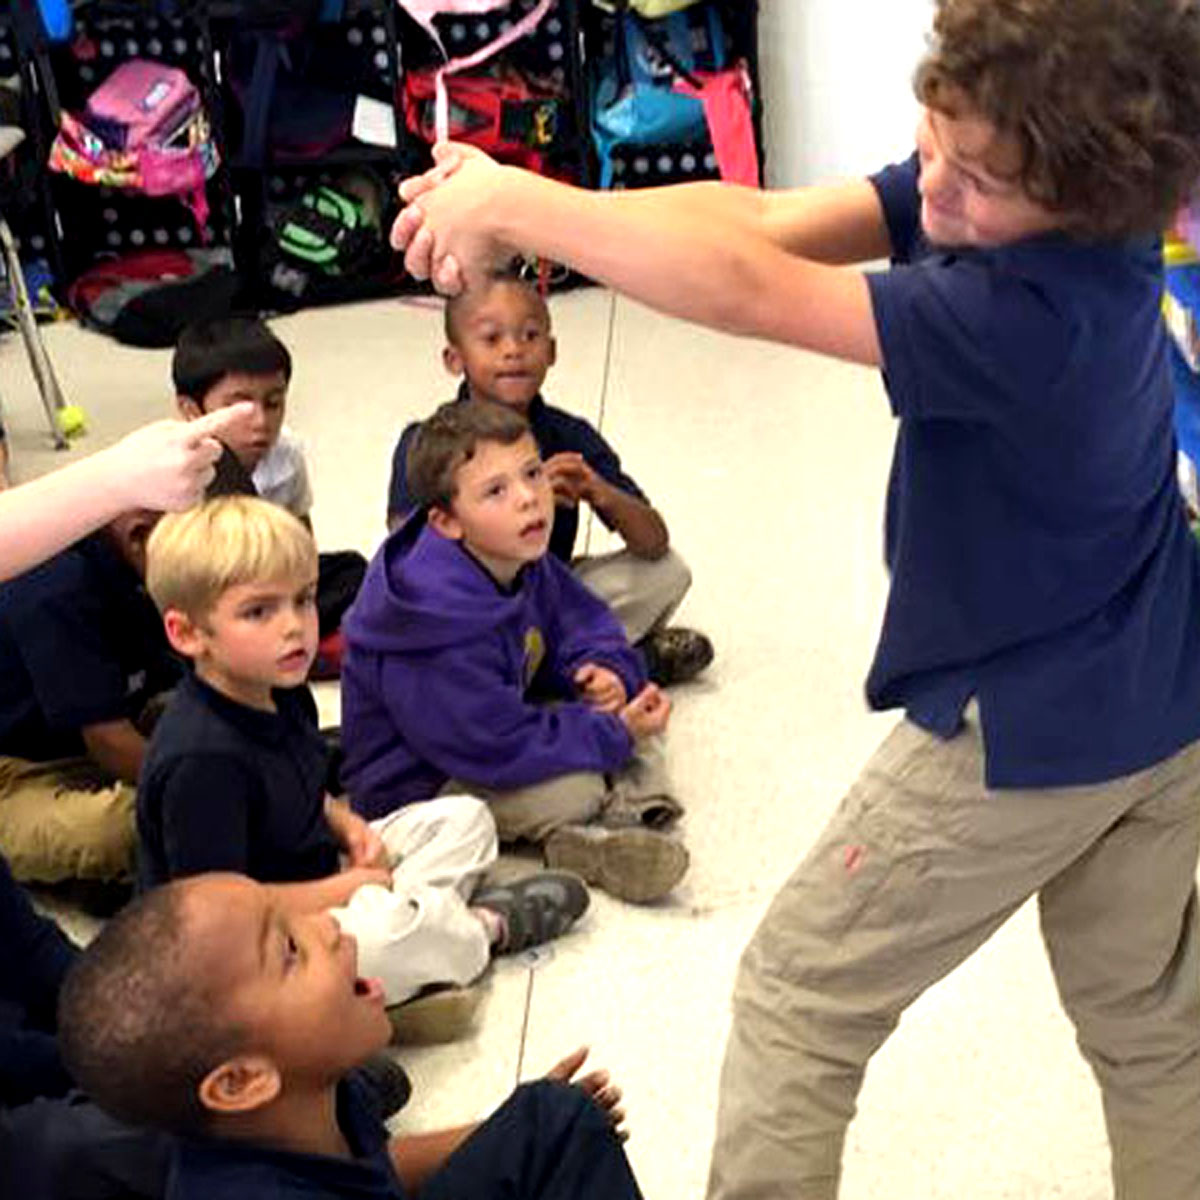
[316, 895]
[704, 268]
[417, 1156]
[641, 527]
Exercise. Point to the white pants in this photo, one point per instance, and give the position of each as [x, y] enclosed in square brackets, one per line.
[422, 932]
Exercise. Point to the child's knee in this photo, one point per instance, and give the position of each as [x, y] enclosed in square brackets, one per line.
[72, 835]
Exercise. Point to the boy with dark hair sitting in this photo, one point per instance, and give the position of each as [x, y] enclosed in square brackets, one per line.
[82, 653]
[499, 339]
[207, 1009]
[229, 360]
[236, 777]
[465, 627]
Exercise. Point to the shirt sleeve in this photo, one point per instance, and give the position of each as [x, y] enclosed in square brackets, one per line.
[964, 338]
[299, 487]
[585, 630]
[897, 188]
[400, 501]
[206, 804]
[67, 633]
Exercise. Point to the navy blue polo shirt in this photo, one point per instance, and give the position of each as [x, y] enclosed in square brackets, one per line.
[1039, 553]
[556, 432]
[226, 787]
[233, 1170]
[80, 643]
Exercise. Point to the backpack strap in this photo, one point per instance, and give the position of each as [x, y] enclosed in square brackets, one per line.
[522, 28]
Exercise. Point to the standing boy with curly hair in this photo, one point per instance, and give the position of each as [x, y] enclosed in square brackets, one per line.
[1042, 631]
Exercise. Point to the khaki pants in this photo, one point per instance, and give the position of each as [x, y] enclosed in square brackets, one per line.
[421, 931]
[532, 814]
[65, 820]
[642, 592]
[918, 867]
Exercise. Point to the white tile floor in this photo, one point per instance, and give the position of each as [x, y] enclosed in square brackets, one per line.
[770, 467]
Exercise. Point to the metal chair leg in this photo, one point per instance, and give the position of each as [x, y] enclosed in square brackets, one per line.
[39, 360]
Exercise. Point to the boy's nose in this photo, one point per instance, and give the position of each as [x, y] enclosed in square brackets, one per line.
[937, 182]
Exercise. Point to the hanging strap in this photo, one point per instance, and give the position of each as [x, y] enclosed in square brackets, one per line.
[522, 28]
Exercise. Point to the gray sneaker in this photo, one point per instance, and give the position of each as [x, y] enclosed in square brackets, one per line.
[635, 864]
[535, 909]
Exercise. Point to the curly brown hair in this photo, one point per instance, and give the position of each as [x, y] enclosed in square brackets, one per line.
[1102, 98]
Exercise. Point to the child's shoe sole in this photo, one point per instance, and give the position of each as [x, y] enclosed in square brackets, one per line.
[639, 865]
[436, 1016]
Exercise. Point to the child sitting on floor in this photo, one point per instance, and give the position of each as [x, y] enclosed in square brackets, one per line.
[475, 656]
[208, 1009]
[234, 359]
[235, 778]
[499, 338]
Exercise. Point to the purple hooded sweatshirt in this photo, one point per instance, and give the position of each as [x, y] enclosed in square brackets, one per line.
[438, 664]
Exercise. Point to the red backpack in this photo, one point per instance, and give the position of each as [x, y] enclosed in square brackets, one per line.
[499, 113]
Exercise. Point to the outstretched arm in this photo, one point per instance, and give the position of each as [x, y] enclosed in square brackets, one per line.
[163, 466]
[703, 257]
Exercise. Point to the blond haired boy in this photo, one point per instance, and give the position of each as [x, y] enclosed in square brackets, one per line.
[237, 775]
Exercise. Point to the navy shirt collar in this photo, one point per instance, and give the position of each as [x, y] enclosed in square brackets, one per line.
[269, 728]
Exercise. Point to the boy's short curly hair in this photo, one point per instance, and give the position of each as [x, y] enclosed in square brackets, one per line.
[1101, 96]
[138, 1026]
[192, 557]
[449, 438]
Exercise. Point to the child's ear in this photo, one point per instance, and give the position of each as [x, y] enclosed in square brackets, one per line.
[188, 408]
[183, 633]
[452, 359]
[443, 521]
[241, 1085]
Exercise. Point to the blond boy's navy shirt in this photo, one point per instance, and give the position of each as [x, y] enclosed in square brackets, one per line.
[1039, 553]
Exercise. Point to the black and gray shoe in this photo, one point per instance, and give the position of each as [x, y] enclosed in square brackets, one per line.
[535, 909]
[675, 654]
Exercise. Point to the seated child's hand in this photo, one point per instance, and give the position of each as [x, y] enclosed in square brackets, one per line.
[571, 478]
[646, 714]
[361, 843]
[597, 1084]
[600, 687]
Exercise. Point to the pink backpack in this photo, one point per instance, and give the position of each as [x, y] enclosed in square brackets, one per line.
[144, 130]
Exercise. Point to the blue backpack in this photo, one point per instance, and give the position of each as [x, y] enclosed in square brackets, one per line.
[633, 102]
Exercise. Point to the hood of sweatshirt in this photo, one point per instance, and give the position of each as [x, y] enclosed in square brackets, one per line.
[423, 591]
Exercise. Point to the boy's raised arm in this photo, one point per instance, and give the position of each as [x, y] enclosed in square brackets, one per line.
[702, 262]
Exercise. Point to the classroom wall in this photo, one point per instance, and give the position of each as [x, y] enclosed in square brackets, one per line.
[836, 81]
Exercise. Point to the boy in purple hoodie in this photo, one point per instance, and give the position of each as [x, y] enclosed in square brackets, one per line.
[477, 659]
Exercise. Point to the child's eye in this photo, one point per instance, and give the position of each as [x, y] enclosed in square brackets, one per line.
[497, 489]
[256, 613]
[535, 472]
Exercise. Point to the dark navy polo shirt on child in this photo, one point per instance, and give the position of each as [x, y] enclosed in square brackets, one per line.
[226, 787]
[556, 432]
[232, 1170]
[1039, 553]
[80, 643]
